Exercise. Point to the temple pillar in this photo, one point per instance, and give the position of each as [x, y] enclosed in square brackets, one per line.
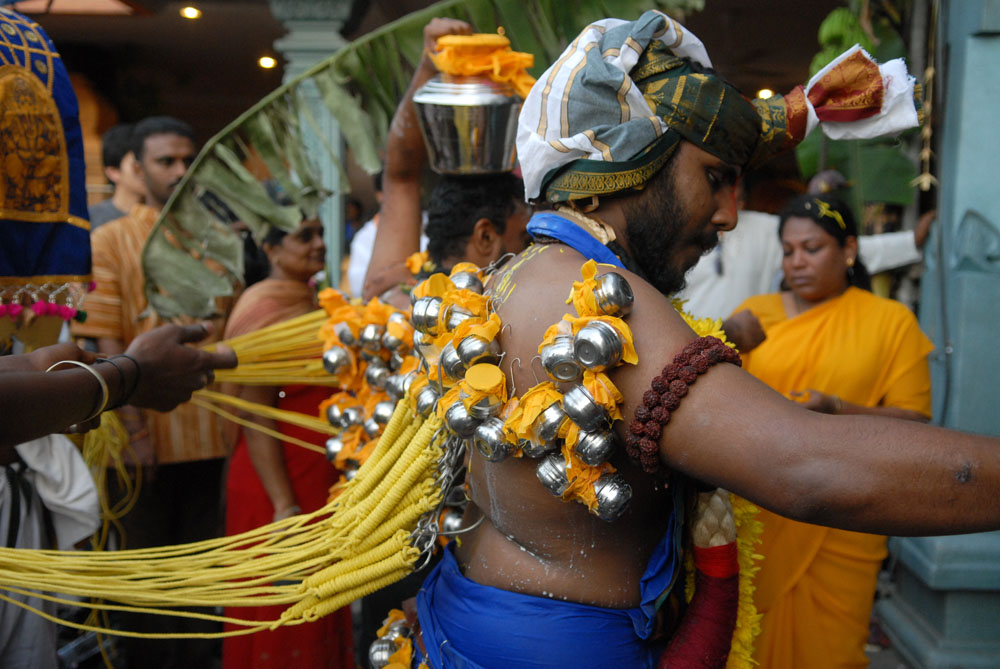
[314, 34]
[944, 606]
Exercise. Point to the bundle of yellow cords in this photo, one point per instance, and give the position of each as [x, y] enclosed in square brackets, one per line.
[315, 563]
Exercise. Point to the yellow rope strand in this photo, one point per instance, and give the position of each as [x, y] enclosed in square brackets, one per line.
[256, 426]
[352, 546]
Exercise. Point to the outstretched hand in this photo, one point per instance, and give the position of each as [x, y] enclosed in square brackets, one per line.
[169, 371]
[41, 359]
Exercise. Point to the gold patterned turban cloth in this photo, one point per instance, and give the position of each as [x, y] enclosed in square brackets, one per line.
[609, 113]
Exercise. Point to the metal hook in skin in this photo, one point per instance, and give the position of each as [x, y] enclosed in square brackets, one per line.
[464, 529]
[513, 385]
[532, 368]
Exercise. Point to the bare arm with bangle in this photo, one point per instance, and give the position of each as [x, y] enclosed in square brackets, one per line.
[157, 371]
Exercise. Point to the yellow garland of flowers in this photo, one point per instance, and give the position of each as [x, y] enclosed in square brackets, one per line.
[748, 530]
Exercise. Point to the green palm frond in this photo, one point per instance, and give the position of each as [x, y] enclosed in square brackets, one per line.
[192, 257]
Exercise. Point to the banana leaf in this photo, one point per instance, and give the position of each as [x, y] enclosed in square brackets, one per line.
[193, 256]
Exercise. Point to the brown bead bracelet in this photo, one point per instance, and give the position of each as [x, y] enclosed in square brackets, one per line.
[664, 396]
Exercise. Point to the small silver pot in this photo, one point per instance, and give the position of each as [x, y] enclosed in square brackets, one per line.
[614, 295]
[469, 123]
[371, 337]
[336, 360]
[491, 441]
[334, 415]
[546, 426]
[396, 361]
[397, 386]
[451, 363]
[379, 653]
[383, 412]
[552, 473]
[537, 449]
[376, 376]
[596, 447]
[559, 361]
[459, 422]
[425, 314]
[371, 427]
[613, 496]
[475, 349]
[583, 409]
[598, 346]
[426, 400]
[391, 342]
[352, 416]
[455, 317]
[396, 629]
[344, 334]
[333, 448]
[467, 281]
[451, 521]
[486, 408]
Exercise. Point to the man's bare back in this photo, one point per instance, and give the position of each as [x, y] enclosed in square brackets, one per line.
[531, 541]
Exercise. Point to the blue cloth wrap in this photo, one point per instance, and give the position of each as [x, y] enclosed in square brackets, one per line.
[466, 625]
[37, 249]
[546, 224]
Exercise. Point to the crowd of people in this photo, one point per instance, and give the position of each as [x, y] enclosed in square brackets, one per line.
[624, 165]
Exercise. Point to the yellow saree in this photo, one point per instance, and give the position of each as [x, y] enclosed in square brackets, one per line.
[816, 585]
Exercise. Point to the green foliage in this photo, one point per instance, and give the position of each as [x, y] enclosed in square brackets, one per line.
[192, 257]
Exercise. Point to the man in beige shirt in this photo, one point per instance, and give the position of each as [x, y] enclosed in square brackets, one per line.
[181, 453]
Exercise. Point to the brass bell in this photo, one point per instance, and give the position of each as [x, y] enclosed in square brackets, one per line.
[559, 361]
[336, 359]
[475, 349]
[613, 496]
[614, 295]
[598, 346]
[451, 363]
[491, 441]
[546, 426]
[333, 448]
[425, 314]
[583, 409]
[596, 447]
[379, 653]
[344, 334]
[459, 422]
[371, 337]
[426, 400]
[467, 281]
[383, 412]
[552, 473]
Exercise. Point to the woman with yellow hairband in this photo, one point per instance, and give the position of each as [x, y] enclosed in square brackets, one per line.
[833, 346]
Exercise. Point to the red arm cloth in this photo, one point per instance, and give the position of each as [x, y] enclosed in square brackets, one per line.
[706, 632]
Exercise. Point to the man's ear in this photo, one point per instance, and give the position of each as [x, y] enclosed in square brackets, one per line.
[851, 250]
[113, 174]
[485, 241]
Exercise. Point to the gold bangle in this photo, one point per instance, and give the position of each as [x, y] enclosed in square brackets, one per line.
[100, 379]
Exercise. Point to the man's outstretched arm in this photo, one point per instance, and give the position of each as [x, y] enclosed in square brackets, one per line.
[855, 472]
[399, 225]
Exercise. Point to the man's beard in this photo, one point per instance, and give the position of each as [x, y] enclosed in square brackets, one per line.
[654, 222]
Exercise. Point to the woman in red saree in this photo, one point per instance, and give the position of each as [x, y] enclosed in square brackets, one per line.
[269, 480]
